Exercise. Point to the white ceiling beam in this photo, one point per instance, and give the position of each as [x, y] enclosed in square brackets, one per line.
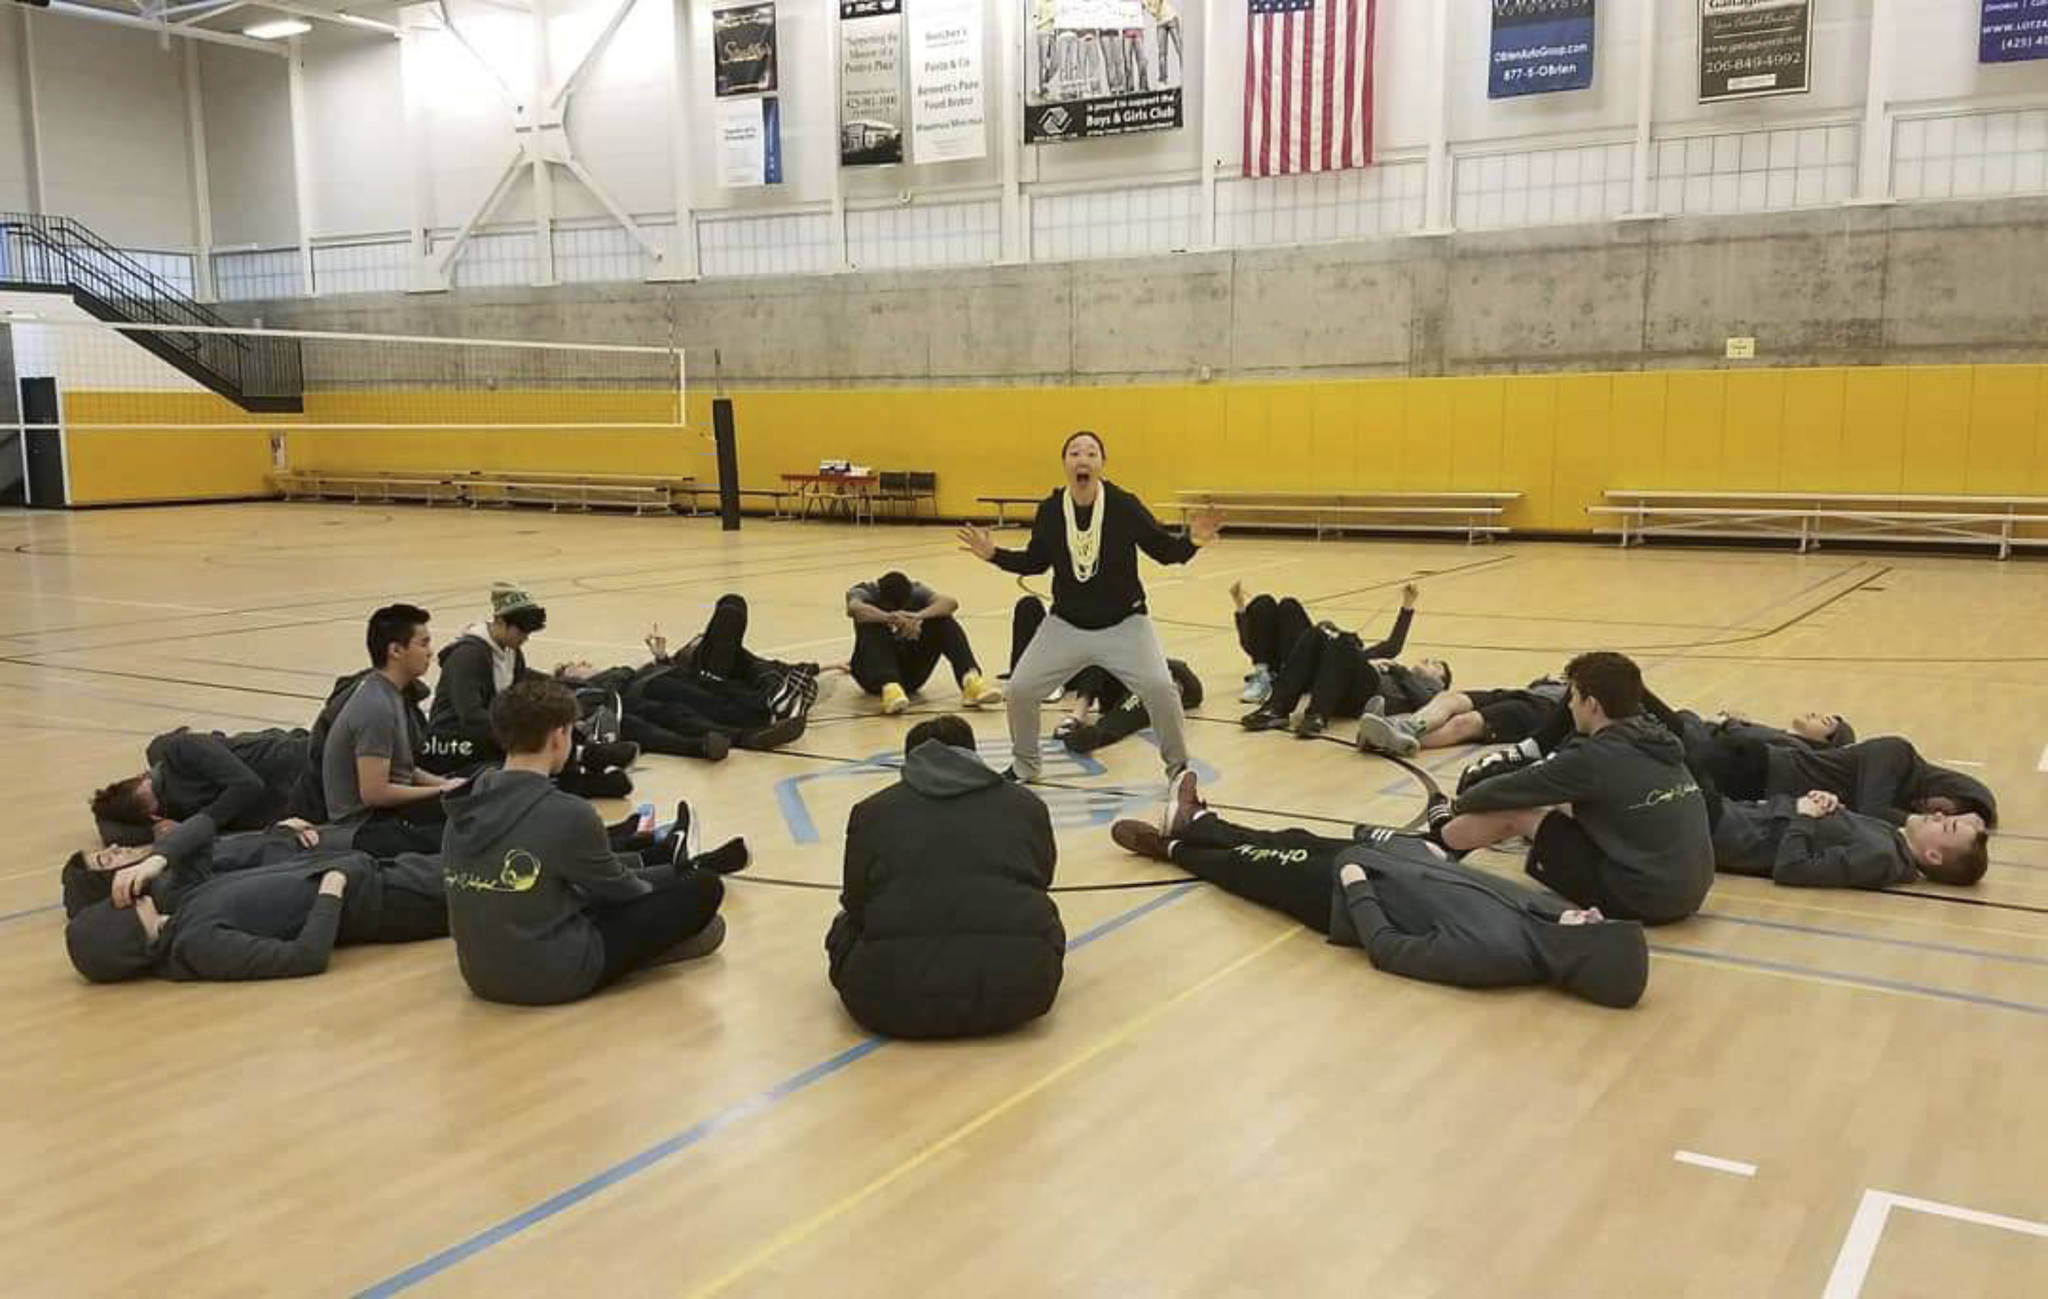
[91, 14]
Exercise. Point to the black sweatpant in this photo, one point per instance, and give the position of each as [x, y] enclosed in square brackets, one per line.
[410, 905]
[1287, 870]
[389, 831]
[636, 933]
[881, 657]
[1268, 628]
[1330, 667]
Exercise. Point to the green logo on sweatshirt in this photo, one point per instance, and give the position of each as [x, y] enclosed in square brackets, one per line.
[519, 874]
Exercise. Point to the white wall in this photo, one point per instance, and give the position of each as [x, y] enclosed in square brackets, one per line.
[113, 126]
[247, 116]
[112, 107]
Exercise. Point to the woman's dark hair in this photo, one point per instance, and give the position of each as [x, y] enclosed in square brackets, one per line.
[1084, 433]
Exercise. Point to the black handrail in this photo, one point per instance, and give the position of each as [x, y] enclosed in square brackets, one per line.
[59, 252]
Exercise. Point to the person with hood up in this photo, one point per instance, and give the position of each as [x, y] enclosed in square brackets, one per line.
[1615, 817]
[273, 922]
[484, 661]
[946, 927]
[234, 782]
[542, 910]
[1414, 913]
[1884, 777]
[1814, 842]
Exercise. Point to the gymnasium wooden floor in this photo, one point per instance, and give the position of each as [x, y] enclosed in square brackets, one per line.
[1221, 1104]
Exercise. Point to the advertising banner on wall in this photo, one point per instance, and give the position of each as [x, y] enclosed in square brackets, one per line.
[870, 82]
[1751, 48]
[1101, 67]
[2013, 31]
[948, 103]
[743, 49]
[750, 142]
[1540, 46]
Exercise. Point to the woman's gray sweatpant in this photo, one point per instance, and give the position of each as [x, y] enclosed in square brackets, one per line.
[1129, 652]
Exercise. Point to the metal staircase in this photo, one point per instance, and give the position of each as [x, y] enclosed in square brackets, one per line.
[44, 253]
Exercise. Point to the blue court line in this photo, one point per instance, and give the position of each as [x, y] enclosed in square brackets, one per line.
[1860, 980]
[698, 1132]
[31, 911]
[1953, 949]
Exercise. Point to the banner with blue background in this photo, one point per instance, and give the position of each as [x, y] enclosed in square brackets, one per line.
[2013, 31]
[1540, 46]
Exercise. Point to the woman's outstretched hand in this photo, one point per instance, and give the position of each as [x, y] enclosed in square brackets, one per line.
[977, 541]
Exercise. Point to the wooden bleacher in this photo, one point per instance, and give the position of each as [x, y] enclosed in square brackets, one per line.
[1813, 518]
[1002, 503]
[640, 493]
[1475, 515]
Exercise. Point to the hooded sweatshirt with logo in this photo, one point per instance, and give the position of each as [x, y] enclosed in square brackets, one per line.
[946, 927]
[1630, 790]
[1425, 918]
[524, 862]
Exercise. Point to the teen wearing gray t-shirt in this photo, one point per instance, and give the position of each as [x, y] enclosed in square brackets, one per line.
[366, 768]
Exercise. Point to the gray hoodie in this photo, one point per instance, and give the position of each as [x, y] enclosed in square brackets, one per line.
[1844, 851]
[1425, 918]
[524, 861]
[1630, 790]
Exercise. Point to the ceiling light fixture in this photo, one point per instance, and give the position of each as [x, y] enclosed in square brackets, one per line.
[277, 29]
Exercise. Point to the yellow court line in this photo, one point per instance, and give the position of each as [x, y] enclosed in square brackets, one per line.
[793, 1235]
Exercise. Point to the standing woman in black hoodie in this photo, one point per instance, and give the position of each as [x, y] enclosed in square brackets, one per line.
[1089, 534]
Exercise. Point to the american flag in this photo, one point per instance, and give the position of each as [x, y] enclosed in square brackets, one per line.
[1308, 85]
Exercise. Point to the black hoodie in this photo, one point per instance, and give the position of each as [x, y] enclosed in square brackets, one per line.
[1425, 918]
[1883, 777]
[1629, 788]
[946, 927]
[524, 862]
[241, 782]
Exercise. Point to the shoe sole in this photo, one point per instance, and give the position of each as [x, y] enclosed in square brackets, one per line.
[1173, 788]
[895, 707]
[1378, 735]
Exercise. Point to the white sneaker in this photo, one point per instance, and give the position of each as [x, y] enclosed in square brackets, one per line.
[1258, 686]
[1378, 734]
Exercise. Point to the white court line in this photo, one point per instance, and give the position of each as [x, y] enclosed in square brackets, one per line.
[2044, 759]
[1859, 1247]
[130, 604]
[1957, 762]
[1734, 1166]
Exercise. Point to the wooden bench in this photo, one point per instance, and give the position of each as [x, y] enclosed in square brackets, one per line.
[1003, 502]
[775, 496]
[359, 486]
[1811, 518]
[574, 490]
[1475, 515]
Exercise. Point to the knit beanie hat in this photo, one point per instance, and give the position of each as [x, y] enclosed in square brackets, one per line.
[508, 598]
[107, 945]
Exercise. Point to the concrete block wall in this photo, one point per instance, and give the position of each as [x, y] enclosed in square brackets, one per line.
[1904, 284]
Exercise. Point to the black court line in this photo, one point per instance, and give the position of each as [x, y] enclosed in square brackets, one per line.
[1965, 902]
